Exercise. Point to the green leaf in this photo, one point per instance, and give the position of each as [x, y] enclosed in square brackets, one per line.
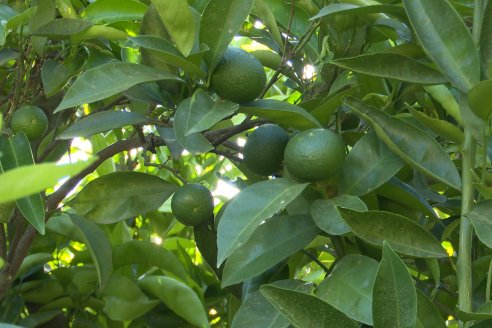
[304, 310]
[178, 19]
[16, 154]
[353, 9]
[414, 147]
[427, 313]
[110, 11]
[260, 252]
[282, 113]
[446, 39]
[327, 217]
[121, 195]
[45, 13]
[478, 99]
[484, 312]
[168, 53]
[257, 311]
[440, 127]
[148, 254]
[393, 66]
[107, 80]
[369, 164]
[125, 304]
[486, 41]
[54, 76]
[482, 221]
[348, 288]
[249, 208]
[62, 28]
[268, 18]
[195, 143]
[33, 261]
[394, 295]
[221, 20]
[101, 122]
[98, 245]
[404, 235]
[178, 297]
[444, 96]
[205, 112]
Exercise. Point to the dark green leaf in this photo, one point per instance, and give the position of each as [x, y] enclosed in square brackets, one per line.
[195, 143]
[393, 66]
[221, 20]
[121, 195]
[368, 165]
[326, 215]
[101, 122]
[62, 28]
[479, 99]
[110, 11]
[348, 288]
[394, 295]
[352, 9]
[98, 245]
[260, 252]
[427, 313]
[249, 208]
[107, 80]
[178, 19]
[446, 39]
[484, 312]
[178, 297]
[304, 310]
[404, 235]
[54, 76]
[414, 147]
[440, 127]
[482, 221]
[45, 13]
[486, 41]
[282, 113]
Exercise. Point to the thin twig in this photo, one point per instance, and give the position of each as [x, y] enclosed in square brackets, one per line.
[3, 241]
[316, 260]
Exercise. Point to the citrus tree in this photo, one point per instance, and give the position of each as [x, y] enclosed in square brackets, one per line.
[245, 163]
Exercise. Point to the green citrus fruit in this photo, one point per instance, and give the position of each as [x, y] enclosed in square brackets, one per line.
[264, 150]
[314, 155]
[238, 77]
[31, 120]
[192, 204]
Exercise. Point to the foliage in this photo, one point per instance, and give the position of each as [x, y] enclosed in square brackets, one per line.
[398, 235]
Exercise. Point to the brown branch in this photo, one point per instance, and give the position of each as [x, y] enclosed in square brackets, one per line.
[219, 136]
[3, 241]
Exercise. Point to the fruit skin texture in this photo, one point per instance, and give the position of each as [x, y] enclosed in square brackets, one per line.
[192, 204]
[314, 155]
[264, 149]
[238, 77]
[31, 120]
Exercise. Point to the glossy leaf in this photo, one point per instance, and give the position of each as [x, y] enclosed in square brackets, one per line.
[478, 99]
[45, 13]
[168, 53]
[33, 261]
[353, 9]
[327, 217]
[249, 208]
[62, 28]
[257, 311]
[110, 11]
[205, 112]
[54, 76]
[149, 254]
[98, 245]
[17, 155]
[121, 195]
[394, 295]
[101, 122]
[281, 112]
[304, 310]
[260, 252]
[446, 39]
[482, 221]
[195, 143]
[107, 80]
[369, 164]
[178, 297]
[393, 66]
[414, 147]
[348, 288]
[179, 22]
[427, 313]
[404, 235]
[221, 20]
[486, 41]
[268, 18]
[440, 127]
[444, 96]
